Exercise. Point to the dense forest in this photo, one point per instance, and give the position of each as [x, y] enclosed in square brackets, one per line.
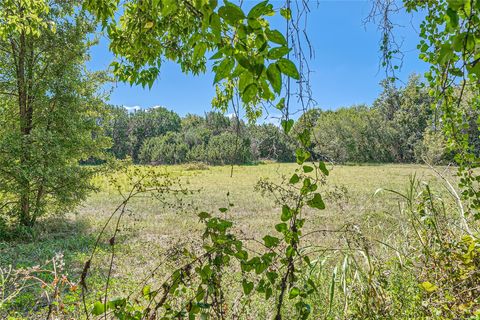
[400, 127]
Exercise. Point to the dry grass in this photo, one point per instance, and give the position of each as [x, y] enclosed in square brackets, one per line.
[151, 230]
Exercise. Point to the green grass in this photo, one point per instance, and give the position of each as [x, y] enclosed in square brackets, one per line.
[153, 228]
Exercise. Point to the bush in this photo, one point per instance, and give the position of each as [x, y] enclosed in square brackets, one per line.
[168, 149]
[228, 148]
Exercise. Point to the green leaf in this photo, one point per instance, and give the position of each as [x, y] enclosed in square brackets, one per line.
[294, 179]
[302, 155]
[275, 77]
[281, 227]
[294, 292]
[231, 13]
[199, 51]
[286, 213]
[98, 308]
[222, 210]
[323, 168]
[332, 290]
[223, 69]
[243, 61]
[286, 13]
[204, 215]
[316, 202]
[287, 125]
[281, 104]
[146, 291]
[288, 68]
[428, 286]
[307, 169]
[169, 6]
[249, 93]
[277, 52]
[247, 286]
[259, 10]
[270, 241]
[254, 24]
[276, 36]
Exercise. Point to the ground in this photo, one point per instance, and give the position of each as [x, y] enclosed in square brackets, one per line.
[151, 229]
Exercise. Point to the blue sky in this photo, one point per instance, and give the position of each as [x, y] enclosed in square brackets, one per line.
[346, 63]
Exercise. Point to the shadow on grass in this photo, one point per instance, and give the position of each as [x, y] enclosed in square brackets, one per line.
[73, 238]
[25, 247]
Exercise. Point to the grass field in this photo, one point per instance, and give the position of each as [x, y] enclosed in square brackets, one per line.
[153, 228]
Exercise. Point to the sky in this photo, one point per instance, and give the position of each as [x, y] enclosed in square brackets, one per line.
[346, 66]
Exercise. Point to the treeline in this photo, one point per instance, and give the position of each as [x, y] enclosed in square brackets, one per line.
[401, 126]
[160, 136]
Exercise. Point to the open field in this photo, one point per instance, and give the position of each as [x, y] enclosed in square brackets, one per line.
[152, 229]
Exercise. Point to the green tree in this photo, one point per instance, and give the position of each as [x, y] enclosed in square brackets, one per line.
[269, 142]
[153, 122]
[167, 149]
[228, 148]
[49, 107]
[117, 129]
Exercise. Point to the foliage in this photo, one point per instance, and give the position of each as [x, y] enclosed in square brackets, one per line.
[168, 149]
[248, 54]
[49, 108]
[228, 148]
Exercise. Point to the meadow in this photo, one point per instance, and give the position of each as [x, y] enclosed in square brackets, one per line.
[156, 228]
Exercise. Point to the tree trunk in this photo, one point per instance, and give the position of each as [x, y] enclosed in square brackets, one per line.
[25, 114]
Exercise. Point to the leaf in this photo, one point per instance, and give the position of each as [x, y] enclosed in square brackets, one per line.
[287, 125]
[307, 169]
[98, 308]
[199, 51]
[249, 93]
[302, 155]
[222, 210]
[316, 202]
[286, 13]
[332, 290]
[276, 36]
[281, 227]
[286, 213]
[223, 69]
[169, 6]
[281, 104]
[247, 286]
[254, 24]
[294, 179]
[288, 68]
[323, 168]
[277, 52]
[231, 13]
[146, 291]
[294, 292]
[259, 10]
[275, 77]
[204, 215]
[271, 241]
[428, 286]
[148, 25]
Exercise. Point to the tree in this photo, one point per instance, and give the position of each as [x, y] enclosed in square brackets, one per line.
[153, 122]
[269, 142]
[117, 128]
[50, 107]
[228, 148]
[167, 149]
